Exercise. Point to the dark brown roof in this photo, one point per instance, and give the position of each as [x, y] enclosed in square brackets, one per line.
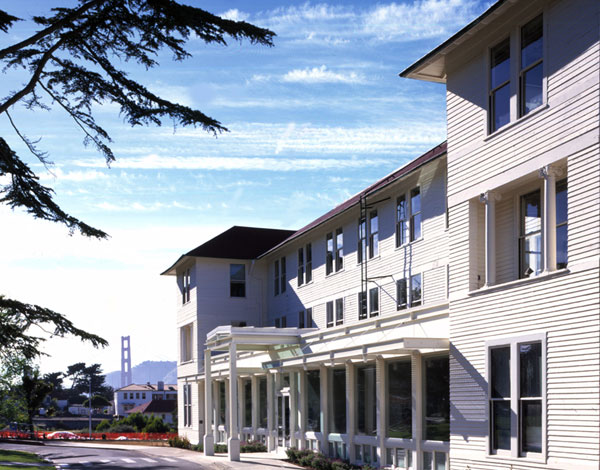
[155, 406]
[238, 243]
[432, 154]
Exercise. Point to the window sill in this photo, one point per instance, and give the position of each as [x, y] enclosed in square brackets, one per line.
[507, 457]
[306, 284]
[408, 244]
[519, 282]
[333, 273]
[510, 125]
[188, 361]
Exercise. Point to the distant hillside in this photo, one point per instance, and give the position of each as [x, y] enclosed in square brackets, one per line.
[147, 371]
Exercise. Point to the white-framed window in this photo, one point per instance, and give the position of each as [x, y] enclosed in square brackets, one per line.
[368, 303]
[308, 265]
[362, 240]
[373, 301]
[283, 275]
[530, 234]
[335, 312]
[373, 234]
[562, 225]
[279, 276]
[329, 313]
[408, 217]
[529, 69]
[186, 338]
[362, 305]
[415, 214]
[187, 405]
[301, 319]
[276, 277]
[517, 396]
[300, 266]
[237, 280]
[401, 220]
[283, 321]
[409, 292]
[334, 258]
[309, 318]
[186, 280]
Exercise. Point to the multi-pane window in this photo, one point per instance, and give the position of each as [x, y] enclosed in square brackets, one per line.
[366, 394]
[237, 280]
[186, 342]
[499, 98]
[401, 220]
[283, 321]
[300, 266]
[362, 305]
[339, 311]
[309, 319]
[279, 276]
[518, 363]
[334, 259]
[530, 238]
[301, 319]
[277, 323]
[437, 399]
[401, 294]
[262, 402]
[308, 266]
[329, 311]
[561, 224]
[313, 386]
[362, 239]
[374, 301]
[409, 292]
[531, 70]
[416, 290]
[373, 234]
[187, 405]
[399, 422]
[276, 277]
[415, 214]
[283, 275]
[186, 280]
[337, 410]
[247, 390]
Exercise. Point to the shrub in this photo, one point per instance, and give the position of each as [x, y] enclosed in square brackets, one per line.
[181, 442]
[341, 465]
[252, 446]
[121, 427]
[307, 459]
[292, 454]
[320, 462]
[198, 448]
[155, 424]
[220, 448]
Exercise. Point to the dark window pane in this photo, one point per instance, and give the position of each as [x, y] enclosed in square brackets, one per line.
[437, 399]
[531, 217]
[530, 361]
[500, 63]
[247, 403]
[313, 384]
[373, 301]
[500, 372]
[500, 424]
[283, 275]
[329, 307]
[367, 400]
[222, 402]
[362, 305]
[561, 202]
[532, 88]
[532, 42]
[329, 255]
[531, 426]
[562, 246]
[400, 400]
[309, 322]
[416, 290]
[262, 402]
[301, 319]
[401, 293]
[415, 200]
[415, 227]
[500, 104]
[339, 249]
[276, 278]
[308, 262]
[338, 410]
[237, 289]
[339, 311]
[237, 272]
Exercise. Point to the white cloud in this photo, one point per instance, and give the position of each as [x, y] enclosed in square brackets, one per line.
[322, 75]
[145, 207]
[57, 174]
[235, 15]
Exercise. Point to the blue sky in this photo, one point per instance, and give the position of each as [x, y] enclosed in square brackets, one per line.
[312, 121]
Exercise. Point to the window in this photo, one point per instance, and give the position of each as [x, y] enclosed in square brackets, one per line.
[339, 311]
[309, 319]
[530, 238]
[337, 410]
[262, 402]
[137, 395]
[283, 321]
[531, 70]
[499, 99]
[301, 319]
[399, 396]
[247, 390]
[401, 221]
[373, 234]
[283, 275]
[362, 240]
[300, 266]
[416, 291]
[313, 385]
[334, 258]
[185, 282]
[329, 308]
[187, 405]
[186, 343]
[143, 396]
[362, 305]
[308, 267]
[237, 280]
[409, 294]
[277, 323]
[374, 301]
[366, 388]
[516, 364]
[401, 294]
[415, 214]
[437, 398]
[276, 278]
[561, 224]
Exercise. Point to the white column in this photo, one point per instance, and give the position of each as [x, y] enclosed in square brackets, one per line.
[209, 440]
[489, 199]
[216, 410]
[255, 403]
[201, 407]
[382, 409]
[303, 408]
[417, 408]
[233, 443]
[226, 404]
[293, 408]
[350, 409]
[324, 392]
[270, 414]
[241, 405]
[549, 174]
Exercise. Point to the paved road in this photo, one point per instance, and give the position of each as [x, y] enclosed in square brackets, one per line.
[64, 456]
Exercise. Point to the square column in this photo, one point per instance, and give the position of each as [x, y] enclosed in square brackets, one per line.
[293, 408]
[302, 407]
[417, 407]
[270, 414]
[241, 404]
[254, 391]
[216, 410]
[350, 409]
[324, 392]
[233, 443]
[382, 409]
[489, 198]
[209, 440]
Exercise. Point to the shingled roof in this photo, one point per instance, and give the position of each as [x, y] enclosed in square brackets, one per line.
[155, 406]
[244, 243]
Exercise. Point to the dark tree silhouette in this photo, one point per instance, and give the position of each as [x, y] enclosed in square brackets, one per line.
[71, 63]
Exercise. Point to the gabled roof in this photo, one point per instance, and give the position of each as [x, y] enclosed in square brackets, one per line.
[243, 243]
[155, 406]
[432, 67]
[432, 154]
[147, 388]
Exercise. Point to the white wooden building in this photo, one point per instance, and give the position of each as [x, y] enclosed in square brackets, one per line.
[448, 315]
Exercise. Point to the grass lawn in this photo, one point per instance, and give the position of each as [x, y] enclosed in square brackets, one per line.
[21, 457]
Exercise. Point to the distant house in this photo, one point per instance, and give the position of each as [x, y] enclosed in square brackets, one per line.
[164, 409]
[133, 395]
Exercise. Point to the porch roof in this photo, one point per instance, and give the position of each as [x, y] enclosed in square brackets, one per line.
[251, 338]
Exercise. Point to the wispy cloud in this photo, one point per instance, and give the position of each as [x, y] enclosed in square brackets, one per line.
[322, 75]
[57, 174]
[149, 207]
[235, 15]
